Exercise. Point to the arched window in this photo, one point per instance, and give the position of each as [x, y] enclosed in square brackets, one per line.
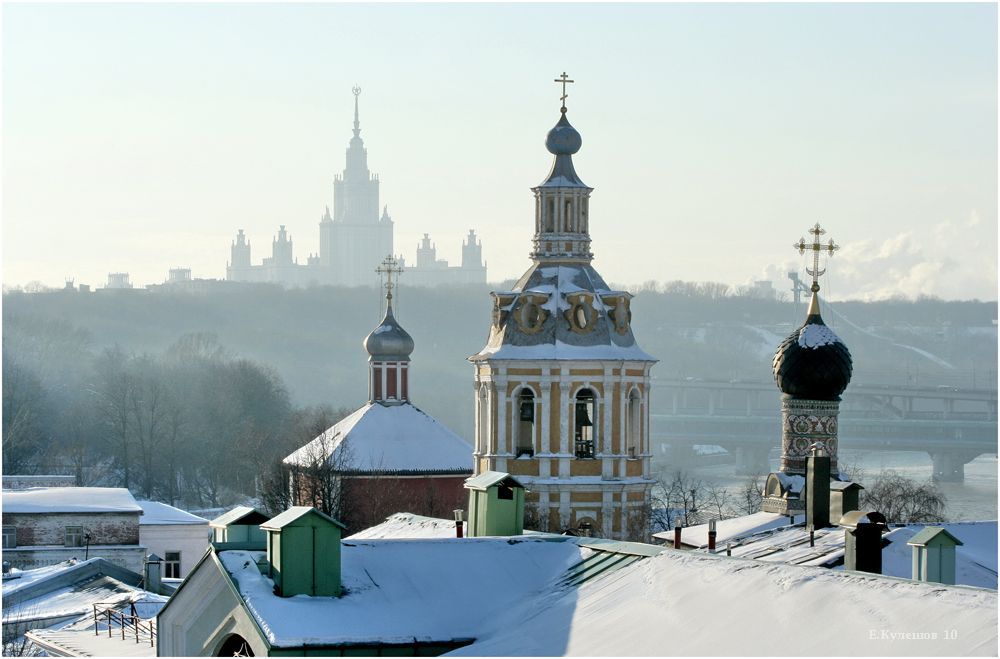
[525, 423]
[234, 646]
[583, 424]
[633, 424]
[484, 417]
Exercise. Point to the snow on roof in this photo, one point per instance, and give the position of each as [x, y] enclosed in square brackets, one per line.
[565, 351]
[155, 512]
[388, 438]
[67, 597]
[730, 529]
[651, 608]
[410, 526]
[295, 512]
[70, 500]
[236, 515]
[488, 478]
[398, 591]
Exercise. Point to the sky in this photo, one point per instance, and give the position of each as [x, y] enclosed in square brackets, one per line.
[140, 137]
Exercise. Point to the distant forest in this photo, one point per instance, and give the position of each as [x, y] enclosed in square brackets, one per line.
[212, 383]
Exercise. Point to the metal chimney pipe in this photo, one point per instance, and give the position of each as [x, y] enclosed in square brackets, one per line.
[677, 534]
[459, 514]
[711, 536]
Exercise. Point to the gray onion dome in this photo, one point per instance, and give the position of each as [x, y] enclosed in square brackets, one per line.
[389, 341]
[813, 363]
[563, 139]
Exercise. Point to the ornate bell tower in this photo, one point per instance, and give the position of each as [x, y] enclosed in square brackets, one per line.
[562, 387]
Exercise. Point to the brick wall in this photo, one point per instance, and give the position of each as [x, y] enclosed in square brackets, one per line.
[49, 529]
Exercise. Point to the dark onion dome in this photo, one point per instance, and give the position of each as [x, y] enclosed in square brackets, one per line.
[813, 363]
[389, 341]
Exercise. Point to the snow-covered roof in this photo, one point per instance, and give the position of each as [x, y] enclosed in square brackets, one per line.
[398, 591]
[238, 514]
[689, 603]
[295, 512]
[409, 526]
[975, 560]
[67, 590]
[388, 438]
[155, 512]
[729, 529]
[70, 500]
[488, 478]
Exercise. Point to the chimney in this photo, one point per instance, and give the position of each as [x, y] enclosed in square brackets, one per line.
[863, 540]
[844, 497]
[711, 536]
[934, 555]
[677, 534]
[459, 515]
[152, 567]
[817, 489]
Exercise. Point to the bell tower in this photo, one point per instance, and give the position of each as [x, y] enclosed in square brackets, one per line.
[562, 387]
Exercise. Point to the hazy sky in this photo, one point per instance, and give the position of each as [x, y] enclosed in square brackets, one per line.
[140, 137]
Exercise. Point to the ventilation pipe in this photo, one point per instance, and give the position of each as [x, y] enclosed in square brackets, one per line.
[711, 536]
[863, 540]
[817, 489]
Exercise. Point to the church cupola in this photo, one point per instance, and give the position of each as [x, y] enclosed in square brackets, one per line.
[389, 347]
[812, 368]
[562, 201]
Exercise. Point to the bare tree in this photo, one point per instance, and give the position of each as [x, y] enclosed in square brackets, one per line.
[903, 500]
[751, 495]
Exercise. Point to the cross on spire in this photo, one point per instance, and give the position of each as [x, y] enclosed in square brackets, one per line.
[816, 247]
[563, 79]
[389, 267]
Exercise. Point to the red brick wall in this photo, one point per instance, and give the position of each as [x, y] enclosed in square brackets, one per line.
[368, 501]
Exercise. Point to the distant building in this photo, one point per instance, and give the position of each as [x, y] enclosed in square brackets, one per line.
[353, 239]
[176, 536]
[118, 280]
[177, 275]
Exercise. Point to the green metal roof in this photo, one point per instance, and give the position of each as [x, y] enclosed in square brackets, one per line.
[236, 515]
[294, 513]
[928, 533]
[489, 478]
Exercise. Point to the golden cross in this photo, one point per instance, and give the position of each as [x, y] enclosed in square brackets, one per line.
[563, 79]
[388, 267]
[816, 247]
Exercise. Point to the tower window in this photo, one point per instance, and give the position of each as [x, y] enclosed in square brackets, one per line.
[583, 424]
[525, 423]
[633, 423]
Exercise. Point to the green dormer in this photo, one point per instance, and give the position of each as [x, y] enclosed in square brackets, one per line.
[934, 555]
[239, 529]
[303, 552]
[496, 504]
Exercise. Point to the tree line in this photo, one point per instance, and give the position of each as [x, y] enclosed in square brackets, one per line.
[192, 425]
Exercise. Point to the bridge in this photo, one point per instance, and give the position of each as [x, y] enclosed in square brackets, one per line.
[952, 425]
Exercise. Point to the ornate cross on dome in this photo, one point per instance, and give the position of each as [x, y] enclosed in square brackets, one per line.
[816, 247]
[389, 267]
[564, 79]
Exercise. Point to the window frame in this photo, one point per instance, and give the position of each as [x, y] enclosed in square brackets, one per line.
[169, 563]
[77, 536]
[9, 531]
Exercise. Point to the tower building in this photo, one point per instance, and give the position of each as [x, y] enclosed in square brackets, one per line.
[562, 387]
[356, 239]
[812, 368]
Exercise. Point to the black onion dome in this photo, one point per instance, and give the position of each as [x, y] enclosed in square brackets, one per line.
[389, 341]
[813, 363]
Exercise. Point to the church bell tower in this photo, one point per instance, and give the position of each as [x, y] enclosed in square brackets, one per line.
[562, 387]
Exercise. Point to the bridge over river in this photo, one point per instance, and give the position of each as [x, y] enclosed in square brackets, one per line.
[952, 425]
